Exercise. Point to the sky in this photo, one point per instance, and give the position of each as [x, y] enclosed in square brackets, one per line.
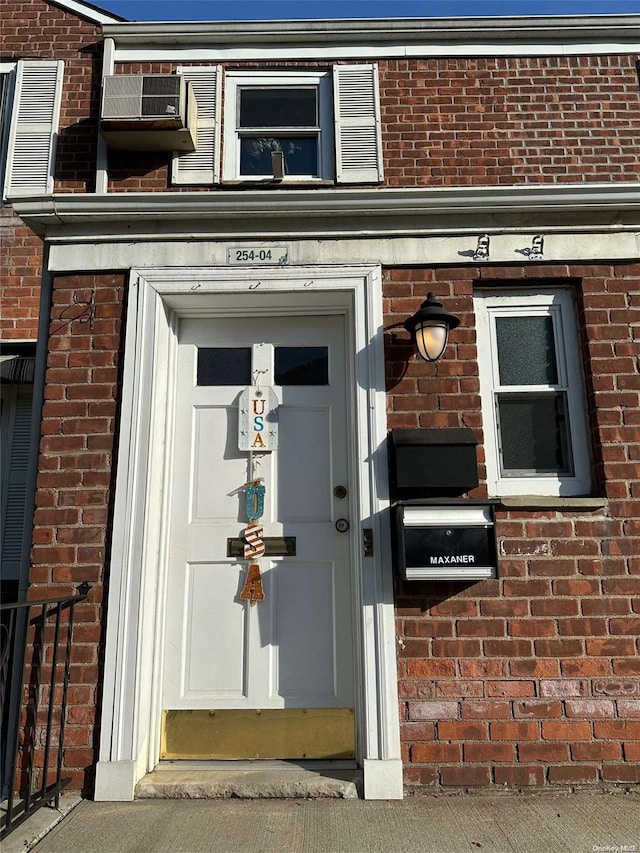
[251, 10]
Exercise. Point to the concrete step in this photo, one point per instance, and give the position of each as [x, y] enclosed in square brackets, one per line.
[251, 780]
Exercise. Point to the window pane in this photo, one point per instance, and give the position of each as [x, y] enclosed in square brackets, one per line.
[534, 434]
[224, 366]
[278, 108]
[526, 351]
[5, 80]
[300, 155]
[302, 366]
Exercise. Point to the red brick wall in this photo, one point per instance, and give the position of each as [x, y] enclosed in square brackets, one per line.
[20, 275]
[530, 679]
[52, 33]
[450, 122]
[460, 121]
[74, 490]
[533, 678]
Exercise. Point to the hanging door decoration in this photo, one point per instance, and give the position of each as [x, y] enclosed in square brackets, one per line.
[258, 420]
[257, 433]
[254, 547]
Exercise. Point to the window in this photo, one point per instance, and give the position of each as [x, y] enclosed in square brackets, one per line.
[224, 366]
[291, 365]
[16, 451]
[301, 366]
[275, 112]
[532, 396]
[322, 125]
[7, 80]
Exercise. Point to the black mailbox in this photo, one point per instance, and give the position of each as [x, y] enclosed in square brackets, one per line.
[430, 462]
[438, 540]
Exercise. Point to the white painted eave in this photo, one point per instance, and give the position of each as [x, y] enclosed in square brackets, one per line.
[89, 11]
[332, 211]
[529, 28]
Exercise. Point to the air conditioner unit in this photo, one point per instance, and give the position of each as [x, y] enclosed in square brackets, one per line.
[148, 112]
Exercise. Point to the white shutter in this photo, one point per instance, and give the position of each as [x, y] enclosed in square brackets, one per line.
[16, 436]
[357, 118]
[34, 127]
[202, 166]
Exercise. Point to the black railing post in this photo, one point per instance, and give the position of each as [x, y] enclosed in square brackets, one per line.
[16, 646]
[52, 687]
[31, 728]
[65, 685]
[21, 623]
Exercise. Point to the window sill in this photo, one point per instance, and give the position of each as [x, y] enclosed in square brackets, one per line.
[270, 184]
[542, 502]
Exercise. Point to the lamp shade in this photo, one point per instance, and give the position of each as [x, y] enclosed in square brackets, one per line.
[431, 340]
[430, 327]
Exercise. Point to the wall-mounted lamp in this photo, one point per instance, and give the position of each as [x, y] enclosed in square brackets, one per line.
[430, 327]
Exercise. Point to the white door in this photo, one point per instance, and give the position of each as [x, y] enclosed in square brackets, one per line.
[294, 650]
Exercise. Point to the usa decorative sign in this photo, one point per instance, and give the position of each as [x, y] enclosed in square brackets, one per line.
[258, 419]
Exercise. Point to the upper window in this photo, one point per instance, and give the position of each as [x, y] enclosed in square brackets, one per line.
[280, 127]
[278, 122]
[532, 394]
[7, 77]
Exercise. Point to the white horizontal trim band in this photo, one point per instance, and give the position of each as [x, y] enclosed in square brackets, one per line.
[328, 202]
[363, 212]
[99, 251]
[525, 48]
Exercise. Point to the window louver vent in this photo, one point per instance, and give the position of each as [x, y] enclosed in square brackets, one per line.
[34, 128]
[357, 115]
[18, 440]
[202, 165]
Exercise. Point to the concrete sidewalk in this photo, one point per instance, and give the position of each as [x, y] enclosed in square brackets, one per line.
[475, 823]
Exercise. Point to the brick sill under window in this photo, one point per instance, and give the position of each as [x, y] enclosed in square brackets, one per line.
[543, 502]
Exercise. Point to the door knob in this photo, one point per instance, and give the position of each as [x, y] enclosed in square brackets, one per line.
[342, 525]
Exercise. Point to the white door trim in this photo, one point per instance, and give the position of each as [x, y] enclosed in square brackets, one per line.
[158, 297]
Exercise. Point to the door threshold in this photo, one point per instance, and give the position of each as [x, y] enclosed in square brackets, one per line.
[316, 764]
[252, 780]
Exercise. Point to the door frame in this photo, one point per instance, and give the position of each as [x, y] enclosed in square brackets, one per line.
[132, 691]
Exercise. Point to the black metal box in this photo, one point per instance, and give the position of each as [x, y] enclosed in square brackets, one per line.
[432, 462]
[445, 540]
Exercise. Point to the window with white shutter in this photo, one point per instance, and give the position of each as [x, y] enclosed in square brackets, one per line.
[285, 126]
[34, 127]
[202, 166]
[15, 429]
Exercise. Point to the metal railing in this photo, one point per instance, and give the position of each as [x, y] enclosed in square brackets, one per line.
[35, 647]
